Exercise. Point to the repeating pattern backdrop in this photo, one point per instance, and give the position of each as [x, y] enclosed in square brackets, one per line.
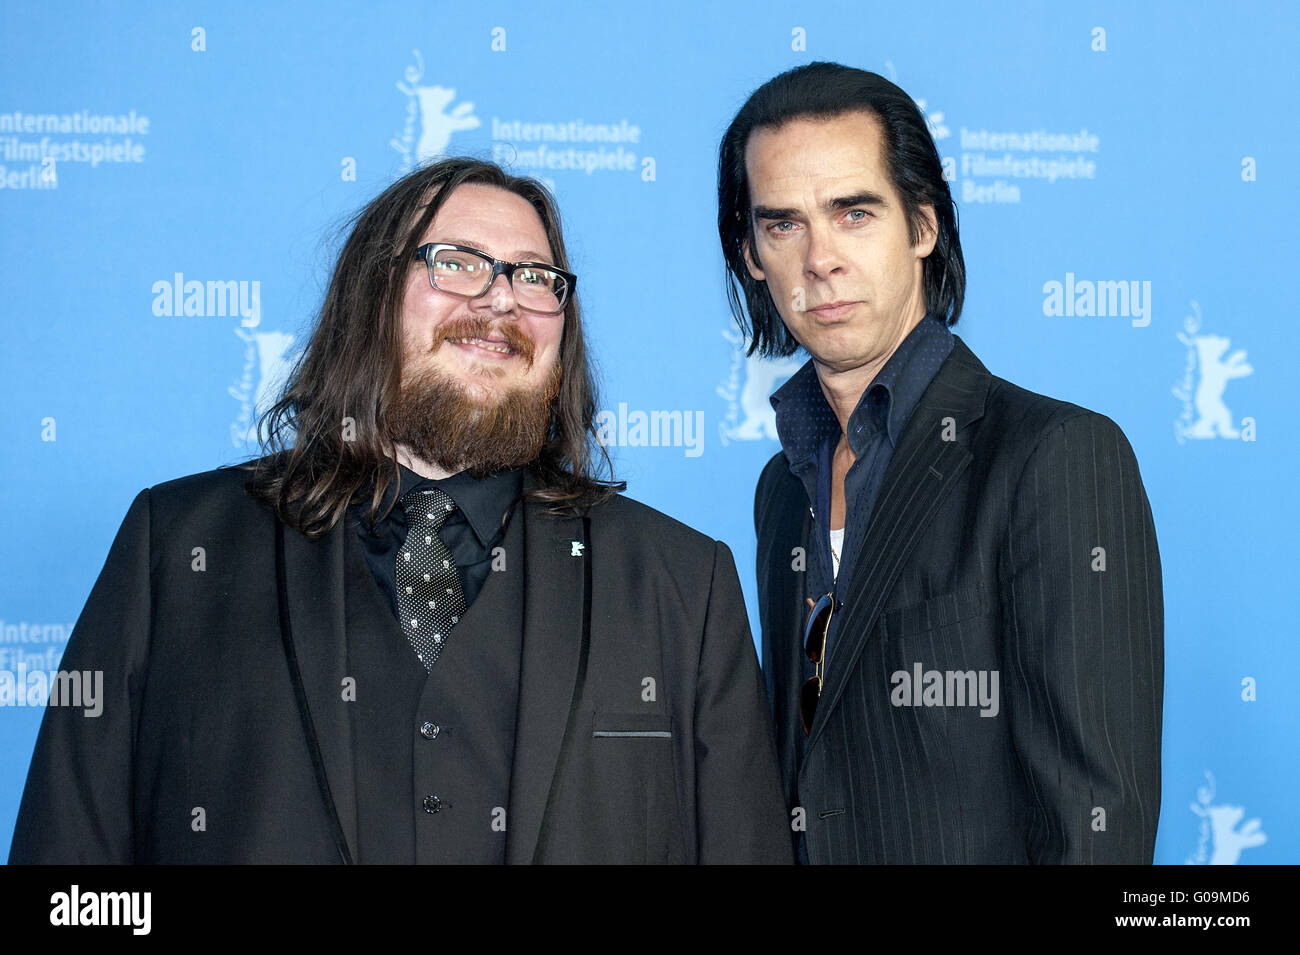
[174, 179]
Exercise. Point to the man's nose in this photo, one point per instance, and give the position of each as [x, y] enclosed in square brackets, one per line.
[499, 297]
[822, 255]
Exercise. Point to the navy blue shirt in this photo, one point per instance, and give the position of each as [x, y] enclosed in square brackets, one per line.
[810, 432]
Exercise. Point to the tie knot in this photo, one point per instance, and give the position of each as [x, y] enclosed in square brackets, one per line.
[429, 508]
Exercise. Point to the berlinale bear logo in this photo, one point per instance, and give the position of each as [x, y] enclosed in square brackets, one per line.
[1205, 377]
[749, 398]
[429, 107]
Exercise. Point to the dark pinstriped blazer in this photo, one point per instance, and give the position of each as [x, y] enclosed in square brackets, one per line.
[1012, 539]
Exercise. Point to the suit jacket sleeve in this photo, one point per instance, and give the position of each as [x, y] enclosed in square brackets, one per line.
[738, 788]
[765, 494]
[77, 806]
[1084, 646]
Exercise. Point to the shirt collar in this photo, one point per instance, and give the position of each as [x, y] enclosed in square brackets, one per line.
[484, 501]
[909, 372]
[805, 421]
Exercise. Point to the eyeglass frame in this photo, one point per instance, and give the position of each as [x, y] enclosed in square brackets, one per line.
[499, 267]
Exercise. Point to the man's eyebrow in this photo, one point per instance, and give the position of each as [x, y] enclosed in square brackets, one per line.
[766, 212]
[526, 255]
[865, 198]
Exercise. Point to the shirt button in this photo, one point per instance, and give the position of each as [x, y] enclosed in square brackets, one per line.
[430, 730]
[432, 804]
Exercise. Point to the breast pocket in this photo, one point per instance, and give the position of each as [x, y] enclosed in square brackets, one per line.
[941, 610]
[632, 726]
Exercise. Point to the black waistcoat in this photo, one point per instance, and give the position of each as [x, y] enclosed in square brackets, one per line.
[433, 752]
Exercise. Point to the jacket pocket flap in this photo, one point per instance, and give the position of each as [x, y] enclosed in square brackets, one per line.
[941, 610]
[631, 726]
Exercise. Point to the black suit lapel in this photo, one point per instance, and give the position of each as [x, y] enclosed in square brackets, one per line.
[923, 470]
[313, 630]
[784, 528]
[556, 618]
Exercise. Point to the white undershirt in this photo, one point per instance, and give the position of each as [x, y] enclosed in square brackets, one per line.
[837, 547]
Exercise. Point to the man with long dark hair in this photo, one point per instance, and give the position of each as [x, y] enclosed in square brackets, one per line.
[959, 582]
[420, 628]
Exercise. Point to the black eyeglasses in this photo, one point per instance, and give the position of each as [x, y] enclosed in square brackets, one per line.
[814, 644]
[458, 269]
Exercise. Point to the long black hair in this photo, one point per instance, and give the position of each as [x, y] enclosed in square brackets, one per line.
[824, 91]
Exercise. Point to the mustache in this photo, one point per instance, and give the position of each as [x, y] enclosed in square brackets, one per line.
[473, 326]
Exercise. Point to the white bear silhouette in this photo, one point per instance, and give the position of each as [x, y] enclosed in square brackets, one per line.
[1229, 841]
[761, 376]
[1215, 375]
[437, 123]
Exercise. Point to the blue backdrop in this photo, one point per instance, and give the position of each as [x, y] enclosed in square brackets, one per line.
[1125, 215]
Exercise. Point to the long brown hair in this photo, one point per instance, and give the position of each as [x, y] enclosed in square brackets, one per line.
[325, 441]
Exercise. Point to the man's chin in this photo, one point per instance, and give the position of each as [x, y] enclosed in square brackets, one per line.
[482, 392]
[475, 421]
[472, 368]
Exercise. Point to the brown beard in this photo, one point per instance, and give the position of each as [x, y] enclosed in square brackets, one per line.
[440, 421]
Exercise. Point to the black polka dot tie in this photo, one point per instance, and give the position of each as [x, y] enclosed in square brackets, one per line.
[429, 595]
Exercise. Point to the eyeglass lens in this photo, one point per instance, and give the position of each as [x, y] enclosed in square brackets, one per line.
[465, 273]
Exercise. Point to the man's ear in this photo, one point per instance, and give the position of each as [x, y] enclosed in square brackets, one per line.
[755, 272]
[929, 231]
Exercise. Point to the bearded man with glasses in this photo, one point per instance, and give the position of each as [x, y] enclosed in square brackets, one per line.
[426, 630]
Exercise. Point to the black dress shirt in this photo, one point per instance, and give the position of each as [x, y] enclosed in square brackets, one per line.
[809, 433]
[471, 532]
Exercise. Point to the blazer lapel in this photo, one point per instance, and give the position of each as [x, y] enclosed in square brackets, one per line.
[923, 470]
[313, 630]
[783, 527]
[552, 666]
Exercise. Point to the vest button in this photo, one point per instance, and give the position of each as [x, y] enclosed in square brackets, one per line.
[430, 730]
[432, 804]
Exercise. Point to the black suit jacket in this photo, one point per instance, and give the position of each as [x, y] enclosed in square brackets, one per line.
[223, 692]
[1012, 535]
